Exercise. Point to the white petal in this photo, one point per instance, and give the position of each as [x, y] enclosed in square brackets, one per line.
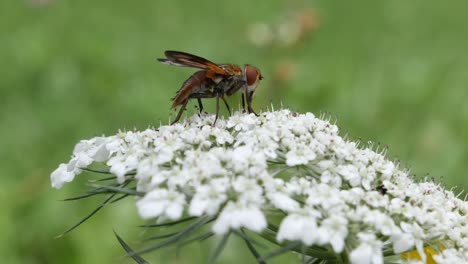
[361, 255]
[61, 176]
[402, 242]
[298, 228]
[283, 202]
[174, 211]
[152, 204]
[235, 216]
[337, 243]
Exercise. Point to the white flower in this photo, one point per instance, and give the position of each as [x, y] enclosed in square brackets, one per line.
[209, 198]
[412, 235]
[61, 176]
[283, 202]
[248, 190]
[95, 149]
[300, 227]
[353, 196]
[324, 190]
[402, 242]
[121, 165]
[242, 122]
[84, 153]
[368, 252]
[334, 231]
[324, 196]
[148, 168]
[449, 256]
[350, 173]
[222, 136]
[161, 202]
[300, 155]
[237, 215]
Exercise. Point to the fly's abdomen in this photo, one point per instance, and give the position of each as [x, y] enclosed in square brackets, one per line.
[197, 84]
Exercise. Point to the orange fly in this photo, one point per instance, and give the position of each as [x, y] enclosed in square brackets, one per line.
[212, 81]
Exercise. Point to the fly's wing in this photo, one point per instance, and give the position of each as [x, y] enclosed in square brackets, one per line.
[179, 58]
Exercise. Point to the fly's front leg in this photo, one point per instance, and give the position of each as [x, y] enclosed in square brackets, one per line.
[227, 106]
[251, 111]
[217, 109]
[243, 103]
[225, 88]
[249, 104]
[235, 86]
[200, 106]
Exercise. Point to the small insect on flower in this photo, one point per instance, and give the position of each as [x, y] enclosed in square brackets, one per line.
[382, 190]
[213, 81]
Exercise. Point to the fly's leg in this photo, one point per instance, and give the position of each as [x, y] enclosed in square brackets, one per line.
[251, 111]
[249, 103]
[200, 106]
[243, 104]
[217, 110]
[182, 109]
[227, 106]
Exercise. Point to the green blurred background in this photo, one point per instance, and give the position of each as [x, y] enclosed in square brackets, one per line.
[394, 72]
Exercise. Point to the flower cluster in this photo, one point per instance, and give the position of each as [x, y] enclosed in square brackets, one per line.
[331, 192]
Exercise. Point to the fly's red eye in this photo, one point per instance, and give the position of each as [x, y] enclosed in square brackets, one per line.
[251, 74]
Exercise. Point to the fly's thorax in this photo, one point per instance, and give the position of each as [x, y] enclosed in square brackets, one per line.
[232, 69]
[217, 79]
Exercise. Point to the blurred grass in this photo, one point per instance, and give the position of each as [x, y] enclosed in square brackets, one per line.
[393, 72]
